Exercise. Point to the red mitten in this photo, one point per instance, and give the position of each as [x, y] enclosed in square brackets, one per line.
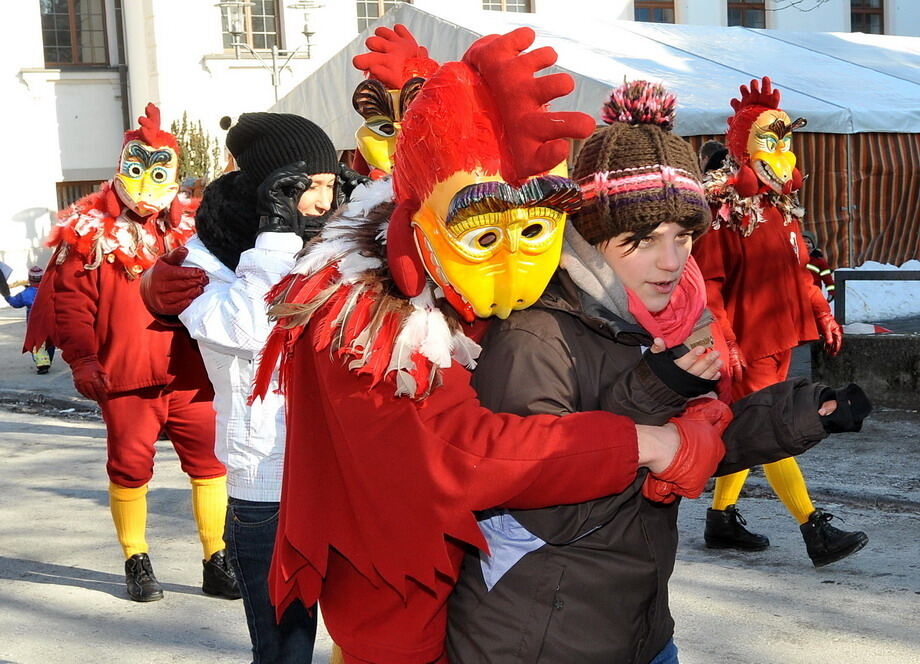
[701, 449]
[830, 331]
[167, 288]
[90, 378]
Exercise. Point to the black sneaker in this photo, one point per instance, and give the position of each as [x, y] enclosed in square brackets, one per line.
[42, 370]
[219, 579]
[142, 584]
[826, 544]
[725, 529]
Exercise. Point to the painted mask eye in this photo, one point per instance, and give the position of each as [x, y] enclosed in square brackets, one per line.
[384, 128]
[132, 169]
[535, 229]
[159, 175]
[480, 242]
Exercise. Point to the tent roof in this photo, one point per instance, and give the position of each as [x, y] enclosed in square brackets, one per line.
[825, 77]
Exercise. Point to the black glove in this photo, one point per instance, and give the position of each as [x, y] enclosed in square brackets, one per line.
[277, 200]
[853, 406]
[347, 181]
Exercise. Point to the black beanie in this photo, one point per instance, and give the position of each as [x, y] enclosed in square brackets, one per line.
[264, 142]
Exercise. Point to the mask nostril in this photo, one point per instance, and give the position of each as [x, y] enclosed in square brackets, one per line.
[492, 306]
[520, 301]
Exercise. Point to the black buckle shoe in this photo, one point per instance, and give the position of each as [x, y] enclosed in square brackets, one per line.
[219, 579]
[142, 584]
[725, 529]
[827, 544]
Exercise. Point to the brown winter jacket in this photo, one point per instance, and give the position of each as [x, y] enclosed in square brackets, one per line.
[597, 591]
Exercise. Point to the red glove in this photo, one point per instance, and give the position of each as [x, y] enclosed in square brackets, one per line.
[736, 362]
[167, 288]
[90, 378]
[701, 449]
[830, 331]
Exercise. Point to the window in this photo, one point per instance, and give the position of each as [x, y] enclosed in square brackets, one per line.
[654, 11]
[867, 16]
[70, 192]
[370, 10]
[260, 25]
[507, 5]
[747, 13]
[73, 32]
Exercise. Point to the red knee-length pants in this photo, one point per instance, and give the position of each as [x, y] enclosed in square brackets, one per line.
[134, 420]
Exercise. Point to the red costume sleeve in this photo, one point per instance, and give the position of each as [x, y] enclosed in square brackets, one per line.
[76, 293]
[390, 482]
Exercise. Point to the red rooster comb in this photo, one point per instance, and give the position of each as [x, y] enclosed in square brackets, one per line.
[534, 138]
[150, 131]
[755, 100]
[757, 95]
[394, 57]
[486, 113]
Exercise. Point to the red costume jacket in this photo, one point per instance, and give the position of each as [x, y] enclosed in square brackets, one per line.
[98, 311]
[757, 286]
[379, 490]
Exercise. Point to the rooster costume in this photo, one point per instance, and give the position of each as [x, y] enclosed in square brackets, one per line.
[395, 67]
[388, 449]
[763, 298]
[147, 377]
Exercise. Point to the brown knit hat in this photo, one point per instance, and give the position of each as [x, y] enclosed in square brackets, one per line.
[635, 174]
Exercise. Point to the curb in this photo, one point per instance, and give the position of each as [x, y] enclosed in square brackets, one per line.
[59, 402]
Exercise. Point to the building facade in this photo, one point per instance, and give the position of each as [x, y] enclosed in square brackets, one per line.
[74, 74]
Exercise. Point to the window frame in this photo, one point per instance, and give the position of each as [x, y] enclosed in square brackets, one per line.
[246, 37]
[75, 46]
[744, 5]
[866, 12]
[654, 4]
[381, 10]
[504, 6]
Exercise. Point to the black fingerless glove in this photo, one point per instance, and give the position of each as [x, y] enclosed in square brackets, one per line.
[277, 199]
[853, 406]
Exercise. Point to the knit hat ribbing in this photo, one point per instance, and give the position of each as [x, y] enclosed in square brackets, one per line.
[635, 176]
[264, 142]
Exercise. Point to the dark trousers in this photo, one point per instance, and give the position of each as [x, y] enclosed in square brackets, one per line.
[250, 536]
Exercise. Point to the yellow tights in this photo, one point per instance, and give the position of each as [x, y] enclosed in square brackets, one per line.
[209, 503]
[129, 513]
[786, 479]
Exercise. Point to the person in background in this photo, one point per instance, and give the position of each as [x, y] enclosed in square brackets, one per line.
[42, 355]
[251, 224]
[146, 377]
[753, 261]
[820, 269]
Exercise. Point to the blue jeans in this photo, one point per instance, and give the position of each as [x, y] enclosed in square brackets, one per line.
[668, 655]
[249, 533]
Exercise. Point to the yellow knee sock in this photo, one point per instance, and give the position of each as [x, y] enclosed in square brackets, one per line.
[727, 490]
[129, 512]
[336, 656]
[789, 484]
[209, 503]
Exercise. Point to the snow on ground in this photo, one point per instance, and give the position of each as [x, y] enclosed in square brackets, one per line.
[870, 301]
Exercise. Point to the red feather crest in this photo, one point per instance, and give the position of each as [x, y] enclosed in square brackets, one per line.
[394, 57]
[150, 131]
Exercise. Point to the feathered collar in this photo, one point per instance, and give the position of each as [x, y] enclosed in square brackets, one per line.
[341, 283]
[745, 213]
[97, 228]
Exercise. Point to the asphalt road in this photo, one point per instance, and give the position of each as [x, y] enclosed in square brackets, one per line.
[61, 578]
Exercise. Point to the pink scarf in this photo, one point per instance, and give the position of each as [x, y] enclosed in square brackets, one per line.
[676, 321]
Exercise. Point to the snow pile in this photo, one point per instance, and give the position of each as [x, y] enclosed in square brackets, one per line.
[871, 301]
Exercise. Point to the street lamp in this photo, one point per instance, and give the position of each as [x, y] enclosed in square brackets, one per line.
[236, 26]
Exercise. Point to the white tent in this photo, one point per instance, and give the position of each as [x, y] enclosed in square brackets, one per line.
[843, 83]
